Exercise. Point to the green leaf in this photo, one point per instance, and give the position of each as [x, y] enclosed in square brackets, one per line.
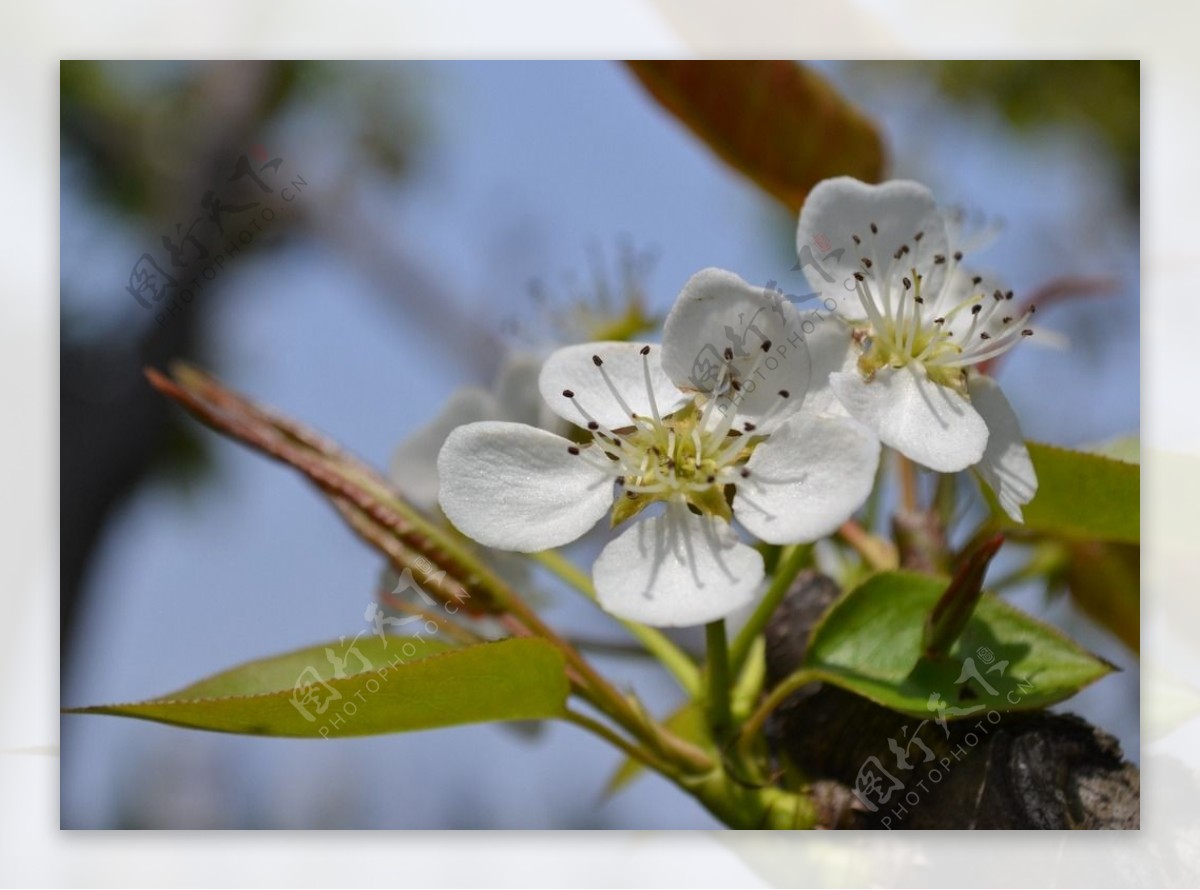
[781, 124]
[869, 642]
[368, 686]
[1083, 496]
[1104, 580]
[688, 723]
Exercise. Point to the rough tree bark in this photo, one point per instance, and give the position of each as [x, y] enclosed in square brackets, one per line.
[1025, 770]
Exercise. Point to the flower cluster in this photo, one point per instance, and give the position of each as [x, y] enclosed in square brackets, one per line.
[922, 327]
[750, 416]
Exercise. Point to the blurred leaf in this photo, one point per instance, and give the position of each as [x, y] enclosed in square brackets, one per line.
[1082, 496]
[1102, 94]
[1126, 448]
[397, 685]
[1104, 580]
[688, 723]
[870, 642]
[781, 124]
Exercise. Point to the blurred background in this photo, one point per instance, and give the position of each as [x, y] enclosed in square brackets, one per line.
[440, 214]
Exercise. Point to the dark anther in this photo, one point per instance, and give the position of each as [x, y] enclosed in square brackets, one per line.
[592, 425]
[597, 361]
[728, 354]
[766, 347]
[645, 350]
[783, 394]
[572, 450]
[976, 309]
[874, 229]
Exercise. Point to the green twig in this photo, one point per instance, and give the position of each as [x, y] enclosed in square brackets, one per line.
[717, 688]
[789, 567]
[779, 694]
[641, 755]
[674, 659]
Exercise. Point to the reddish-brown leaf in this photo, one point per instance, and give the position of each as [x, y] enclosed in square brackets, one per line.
[779, 123]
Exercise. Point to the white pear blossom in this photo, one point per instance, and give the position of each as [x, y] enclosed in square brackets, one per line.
[711, 426]
[922, 327]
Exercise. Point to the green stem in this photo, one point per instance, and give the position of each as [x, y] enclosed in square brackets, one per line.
[644, 757]
[789, 567]
[674, 659]
[908, 483]
[717, 688]
[778, 695]
[875, 499]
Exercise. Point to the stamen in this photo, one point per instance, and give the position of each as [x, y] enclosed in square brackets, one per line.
[649, 386]
[864, 294]
[599, 363]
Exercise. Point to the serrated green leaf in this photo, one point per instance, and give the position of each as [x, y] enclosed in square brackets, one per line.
[366, 687]
[688, 723]
[780, 123]
[1083, 496]
[869, 642]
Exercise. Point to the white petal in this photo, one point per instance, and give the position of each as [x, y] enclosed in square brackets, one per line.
[573, 369]
[676, 570]
[839, 209]
[515, 487]
[830, 349]
[413, 467]
[718, 311]
[1005, 465]
[807, 479]
[928, 423]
